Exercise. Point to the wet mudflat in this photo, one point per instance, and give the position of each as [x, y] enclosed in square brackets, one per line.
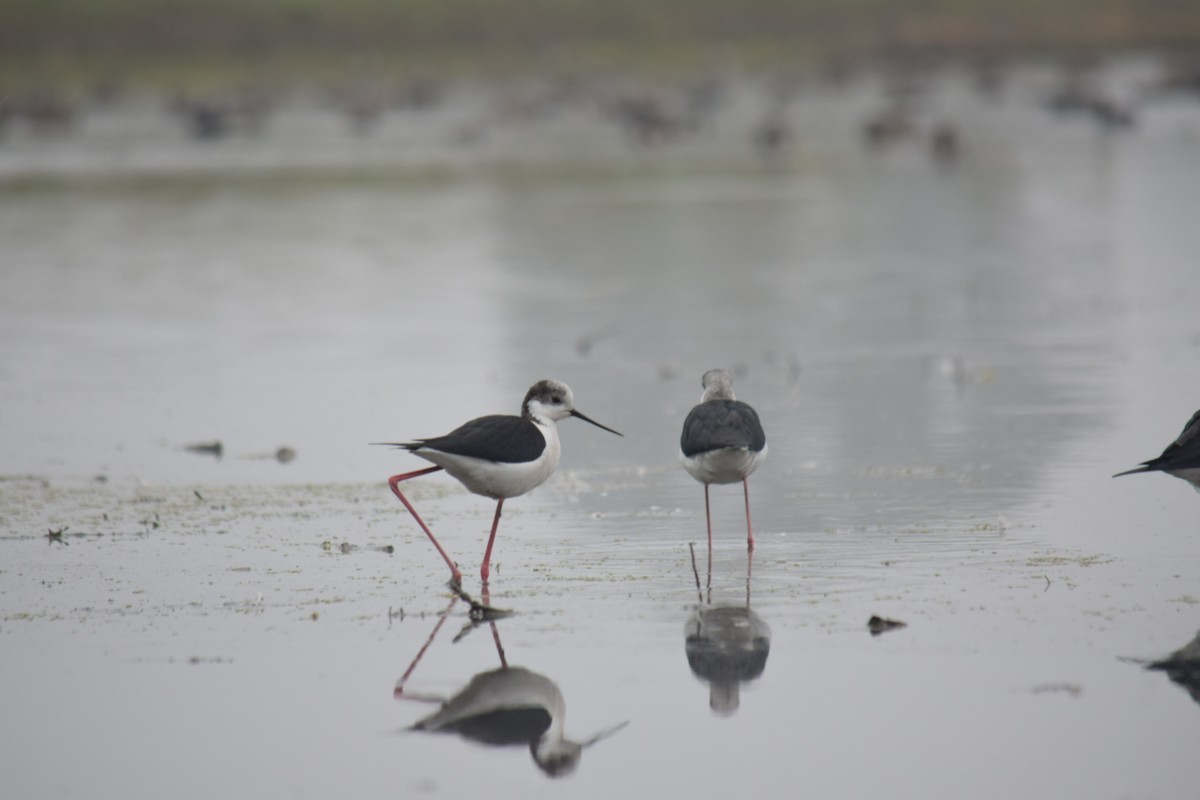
[950, 360]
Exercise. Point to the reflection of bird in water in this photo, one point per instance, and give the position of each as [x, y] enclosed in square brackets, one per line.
[504, 707]
[1183, 667]
[497, 456]
[1181, 458]
[726, 645]
[513, 706]
[722, 442]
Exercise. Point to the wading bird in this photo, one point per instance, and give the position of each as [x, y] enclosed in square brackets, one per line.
[498, 456]
[722, 442]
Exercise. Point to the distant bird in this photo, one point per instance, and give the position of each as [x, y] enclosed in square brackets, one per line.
[498, 456]
[888, 127]
[722, 442]
[945, 143]
[773, 135]
[1181, 458]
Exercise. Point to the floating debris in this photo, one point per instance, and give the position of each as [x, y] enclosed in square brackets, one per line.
[61, 535]
[348, 547]
[1071, 689]
[877, 625]
[284, 455]
[479, 612]
[215, 449]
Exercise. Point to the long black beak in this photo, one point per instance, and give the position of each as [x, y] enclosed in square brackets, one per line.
[604, 734]
[586, 418]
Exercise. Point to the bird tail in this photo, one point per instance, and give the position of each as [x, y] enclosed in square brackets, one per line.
[410, 446]
[1142, 468]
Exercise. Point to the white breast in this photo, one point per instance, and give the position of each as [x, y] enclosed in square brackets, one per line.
[497, 479]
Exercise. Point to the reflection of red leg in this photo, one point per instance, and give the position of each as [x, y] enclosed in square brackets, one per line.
[499, 647]
[749, 532]
[708, 516]
[485, 597]
[749, 567]
[455, 575]
[398, 693]
[487, 554]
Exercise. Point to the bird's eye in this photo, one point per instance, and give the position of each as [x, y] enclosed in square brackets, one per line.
[556, 400]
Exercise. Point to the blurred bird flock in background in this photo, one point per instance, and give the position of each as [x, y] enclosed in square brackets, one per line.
[657, 71]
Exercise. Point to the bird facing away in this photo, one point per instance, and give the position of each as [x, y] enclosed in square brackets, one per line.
[722, 442]
[498, 456]
[1181, 458]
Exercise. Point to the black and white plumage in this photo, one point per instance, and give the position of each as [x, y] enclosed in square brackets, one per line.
[497, 456]
[1181, 458]
[722, 441]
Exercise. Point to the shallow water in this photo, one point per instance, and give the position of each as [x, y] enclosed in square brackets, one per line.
[950, 361]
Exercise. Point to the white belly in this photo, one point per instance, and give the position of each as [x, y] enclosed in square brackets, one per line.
[728, 465]
[497, 479]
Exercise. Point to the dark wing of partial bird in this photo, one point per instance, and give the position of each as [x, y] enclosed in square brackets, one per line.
[500, 437]
[499, 727]
[719, 424]
[1183, 453]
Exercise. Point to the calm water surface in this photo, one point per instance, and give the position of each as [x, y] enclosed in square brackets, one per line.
[950, 361]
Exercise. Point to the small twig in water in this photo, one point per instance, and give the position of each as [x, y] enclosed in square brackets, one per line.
[696, 572]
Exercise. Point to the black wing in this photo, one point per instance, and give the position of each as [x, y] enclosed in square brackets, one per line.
[502, 438]
[1183, 453]
[718, 424]
[500, 727]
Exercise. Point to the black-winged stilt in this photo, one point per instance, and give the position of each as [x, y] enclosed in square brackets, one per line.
[498, 456]
[722, 442]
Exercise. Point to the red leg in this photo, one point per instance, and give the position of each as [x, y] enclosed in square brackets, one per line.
[487, 555]
[708, 516]
[749, 532]
[455, 575]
